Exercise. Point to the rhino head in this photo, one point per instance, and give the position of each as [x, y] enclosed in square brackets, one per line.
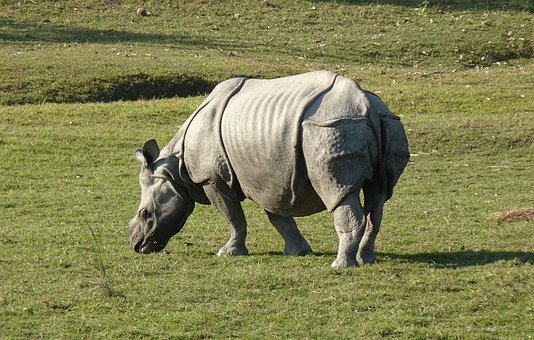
[165, 204]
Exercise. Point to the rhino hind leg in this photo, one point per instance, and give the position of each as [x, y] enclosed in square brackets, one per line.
[295, 243]
[366, 252]
[350, 224]
[233, 213]
[374, 208]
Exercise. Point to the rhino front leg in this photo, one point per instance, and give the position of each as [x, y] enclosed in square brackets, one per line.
[349, 221]
[233, 213]
[295, 243]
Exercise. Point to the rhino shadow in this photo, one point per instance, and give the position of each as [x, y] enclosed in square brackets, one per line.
[457, 259]
[462, 259]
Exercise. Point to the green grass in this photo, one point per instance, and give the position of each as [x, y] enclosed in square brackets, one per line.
[446, 266]
[68, 179]
[73, 51]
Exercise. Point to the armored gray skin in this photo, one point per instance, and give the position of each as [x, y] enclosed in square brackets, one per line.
[296, 146]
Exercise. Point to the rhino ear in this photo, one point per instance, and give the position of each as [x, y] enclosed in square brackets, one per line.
[149, 153]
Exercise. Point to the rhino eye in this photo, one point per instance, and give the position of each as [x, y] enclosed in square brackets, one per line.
[144, 214]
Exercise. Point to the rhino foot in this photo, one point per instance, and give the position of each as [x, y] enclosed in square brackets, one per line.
[300, 250]
[366, 259]
[232, 251]
[344, 263]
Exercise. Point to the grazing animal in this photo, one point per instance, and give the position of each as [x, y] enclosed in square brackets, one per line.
[296, 146]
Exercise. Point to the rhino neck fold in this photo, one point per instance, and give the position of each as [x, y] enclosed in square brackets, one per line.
[176, 166]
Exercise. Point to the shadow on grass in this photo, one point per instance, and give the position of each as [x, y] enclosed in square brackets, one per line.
[515, 5]
[45, 32]
[463, 258]
[140, 86]
[443, 259]
[33, 32]
[40, 32]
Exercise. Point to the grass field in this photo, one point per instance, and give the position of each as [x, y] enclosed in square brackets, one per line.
[459, 74]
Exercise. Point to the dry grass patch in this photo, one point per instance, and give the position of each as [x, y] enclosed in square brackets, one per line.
[514, 215]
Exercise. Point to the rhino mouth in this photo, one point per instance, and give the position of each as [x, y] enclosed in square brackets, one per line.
[149, 246]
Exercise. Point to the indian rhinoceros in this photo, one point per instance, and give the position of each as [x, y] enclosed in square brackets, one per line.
[296, 146]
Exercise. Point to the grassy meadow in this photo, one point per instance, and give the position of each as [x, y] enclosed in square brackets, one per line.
[75, 77]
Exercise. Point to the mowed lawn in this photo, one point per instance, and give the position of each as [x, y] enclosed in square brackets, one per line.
[68, 178]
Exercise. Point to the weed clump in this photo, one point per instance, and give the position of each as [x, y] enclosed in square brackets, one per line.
[105, 281]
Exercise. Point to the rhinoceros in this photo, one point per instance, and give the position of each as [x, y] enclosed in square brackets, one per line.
[296, 146]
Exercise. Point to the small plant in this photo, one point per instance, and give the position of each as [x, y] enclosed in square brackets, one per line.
[424, 5]
[97, 248]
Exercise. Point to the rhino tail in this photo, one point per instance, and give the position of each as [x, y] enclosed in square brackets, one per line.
[378, 131]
